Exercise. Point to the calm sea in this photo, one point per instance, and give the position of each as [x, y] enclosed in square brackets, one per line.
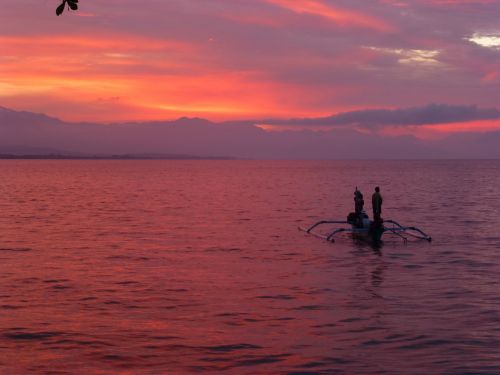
[167, 267]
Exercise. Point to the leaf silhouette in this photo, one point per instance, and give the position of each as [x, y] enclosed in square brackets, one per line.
[60, 8]
[72, 4]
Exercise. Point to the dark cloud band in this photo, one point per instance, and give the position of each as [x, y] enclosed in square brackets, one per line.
[431, 114]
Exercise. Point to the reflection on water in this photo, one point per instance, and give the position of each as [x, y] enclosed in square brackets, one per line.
[154, 267]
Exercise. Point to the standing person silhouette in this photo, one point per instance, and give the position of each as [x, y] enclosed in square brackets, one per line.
[377, 205]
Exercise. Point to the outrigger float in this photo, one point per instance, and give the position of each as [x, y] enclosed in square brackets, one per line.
[368, 230]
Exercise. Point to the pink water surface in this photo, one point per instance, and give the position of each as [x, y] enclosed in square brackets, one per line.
[165, 267]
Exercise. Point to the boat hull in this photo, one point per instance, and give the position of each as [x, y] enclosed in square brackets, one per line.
[368, 234]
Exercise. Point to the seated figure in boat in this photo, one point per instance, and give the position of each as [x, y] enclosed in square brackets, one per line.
[360, 215]
[358, 202]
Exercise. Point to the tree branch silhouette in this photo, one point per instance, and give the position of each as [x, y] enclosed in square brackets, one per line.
[72, 4]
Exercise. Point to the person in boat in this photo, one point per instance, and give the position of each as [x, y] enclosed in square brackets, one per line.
[359, 204]
[377, 205]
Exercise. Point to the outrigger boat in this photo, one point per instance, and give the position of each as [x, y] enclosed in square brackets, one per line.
[367, 229]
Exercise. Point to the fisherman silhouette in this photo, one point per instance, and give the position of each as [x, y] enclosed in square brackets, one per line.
[359, 202]
[359, 213]
[377, 205]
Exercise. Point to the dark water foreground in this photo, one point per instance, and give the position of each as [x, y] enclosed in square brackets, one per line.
[165, 267]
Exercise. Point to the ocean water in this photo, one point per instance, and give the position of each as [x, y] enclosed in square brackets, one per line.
[171, 267]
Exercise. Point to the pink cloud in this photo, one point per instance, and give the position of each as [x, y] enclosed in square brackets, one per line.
[341, 17]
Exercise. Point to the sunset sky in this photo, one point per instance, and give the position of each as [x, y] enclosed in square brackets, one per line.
[117, 60]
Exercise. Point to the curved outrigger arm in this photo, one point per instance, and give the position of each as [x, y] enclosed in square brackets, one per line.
[395, 229]
[398, 228]
[328, 237]
[308, 230]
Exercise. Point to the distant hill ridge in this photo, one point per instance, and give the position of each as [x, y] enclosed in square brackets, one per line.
[27, 133]
[62, 156]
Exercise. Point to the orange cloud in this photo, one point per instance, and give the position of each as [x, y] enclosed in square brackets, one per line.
[480, 126]
[144, 97]
[491, 77]
[146, 79]
[437, 131]
[71, 77]
[93, 42]
[341, 17]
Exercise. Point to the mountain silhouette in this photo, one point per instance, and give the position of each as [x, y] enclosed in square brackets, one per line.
[33, 133]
